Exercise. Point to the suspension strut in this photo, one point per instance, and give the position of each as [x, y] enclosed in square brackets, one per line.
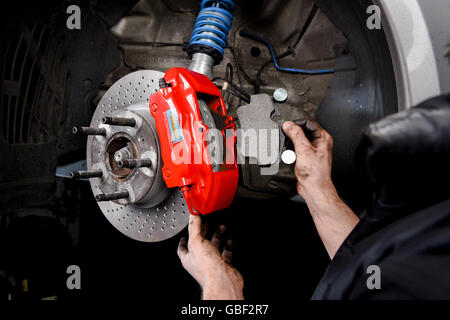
[210, 34]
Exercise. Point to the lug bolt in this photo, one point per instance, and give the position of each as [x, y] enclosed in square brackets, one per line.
[112, 196]
[89, 131]
[86, 174]
[134, 163]
[119, 121]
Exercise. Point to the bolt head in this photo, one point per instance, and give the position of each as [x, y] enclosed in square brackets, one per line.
[154, 107]
[280, 95]
[167, 173]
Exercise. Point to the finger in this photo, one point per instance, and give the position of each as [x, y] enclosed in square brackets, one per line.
[204, 228]
[322, 139]
[218, 236]
[227, 253]
[195, 228]
[310, 128]
[314, 129]
[182, 248]
[297, 136]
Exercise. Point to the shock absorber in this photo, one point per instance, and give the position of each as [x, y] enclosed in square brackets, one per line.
[209, 37]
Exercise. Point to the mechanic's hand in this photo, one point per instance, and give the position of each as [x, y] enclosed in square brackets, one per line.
[211, 268]
[334, 220]
[314, 156]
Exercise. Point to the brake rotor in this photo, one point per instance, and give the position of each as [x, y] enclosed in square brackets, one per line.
[151, 212]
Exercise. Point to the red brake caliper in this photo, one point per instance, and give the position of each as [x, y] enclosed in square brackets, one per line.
[182, 135]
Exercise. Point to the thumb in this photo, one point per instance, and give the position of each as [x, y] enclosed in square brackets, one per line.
[297, 136]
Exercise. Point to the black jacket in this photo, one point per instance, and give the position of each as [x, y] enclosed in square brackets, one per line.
[406, 231]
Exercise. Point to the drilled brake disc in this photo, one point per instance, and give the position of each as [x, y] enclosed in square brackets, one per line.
[151, 212]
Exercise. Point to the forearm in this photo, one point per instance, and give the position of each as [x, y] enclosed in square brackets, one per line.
[334, 220]
[221, 286]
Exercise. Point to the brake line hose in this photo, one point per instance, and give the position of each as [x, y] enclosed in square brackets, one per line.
[250, 35]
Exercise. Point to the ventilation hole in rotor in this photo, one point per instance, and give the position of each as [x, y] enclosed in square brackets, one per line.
[173, 227]
[173, 203]
[174, 211]
[149, 234]
[184, 212]
[164, 222]
[165, 207]
[154, 222]
[139, 230]
[165, 214]
[182, 204]
[157, 209]
[173, 219]
[162, 228]
[152, 228]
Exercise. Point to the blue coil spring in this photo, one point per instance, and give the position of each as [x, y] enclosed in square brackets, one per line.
[213, 24]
